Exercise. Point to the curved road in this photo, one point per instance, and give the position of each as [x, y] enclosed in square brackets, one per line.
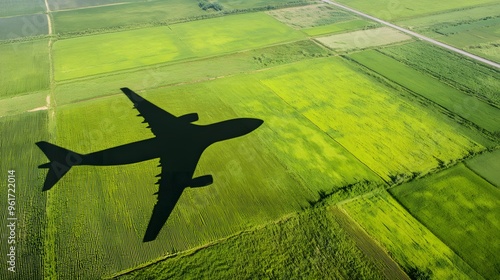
[432, 41]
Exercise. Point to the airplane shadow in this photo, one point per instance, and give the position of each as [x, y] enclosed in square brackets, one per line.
[178, 143]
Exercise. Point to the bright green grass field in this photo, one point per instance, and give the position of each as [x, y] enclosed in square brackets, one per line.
[472, 77]
[478, 112]
[409, 242]
[98, 54]
[396, 10]
[25, 67]
[374, 122]
[310, 245]
[20, 7]
[275, 170]
[487, 166]
[17, 147]
[462, 210]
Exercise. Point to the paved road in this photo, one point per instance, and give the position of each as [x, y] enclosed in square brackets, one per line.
[432, 41]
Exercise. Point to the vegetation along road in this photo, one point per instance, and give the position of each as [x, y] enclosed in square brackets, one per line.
[475, 57]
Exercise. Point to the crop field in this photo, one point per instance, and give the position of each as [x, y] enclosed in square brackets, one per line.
[474, 78]
[363, 39]
[409, 242]
[189, 72]
[487, 166]
[90, 55]
[451, 17]
[81, 20]
[391, 10]
[462, 210]
[476, 111]
[339, 27]
[19, 104]
[56, 5]
[23, 26]
[350, 175]
[20, 7]
[286, 180]
[18, 153]
[311, 15]
[148, 13]
[483, 41]
[362, 117]
[25, 67]
[283, 245]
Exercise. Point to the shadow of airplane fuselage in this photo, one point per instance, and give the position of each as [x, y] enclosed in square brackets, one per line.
[178, 143]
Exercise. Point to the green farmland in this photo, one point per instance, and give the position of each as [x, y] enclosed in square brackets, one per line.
[408, 241]
[377, 157]
[487, 166]
[462, 210]
[25, 67]
[97, 54]
[482, 114]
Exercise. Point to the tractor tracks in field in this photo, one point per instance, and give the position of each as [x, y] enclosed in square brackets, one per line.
[417, 35]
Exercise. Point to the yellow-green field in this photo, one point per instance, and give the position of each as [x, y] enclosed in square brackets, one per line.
[384, 131]
[90, 55]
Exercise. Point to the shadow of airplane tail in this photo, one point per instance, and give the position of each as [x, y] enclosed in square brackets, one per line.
[61, 160]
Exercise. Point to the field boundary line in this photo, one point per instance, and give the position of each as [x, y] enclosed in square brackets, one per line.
[417, 35]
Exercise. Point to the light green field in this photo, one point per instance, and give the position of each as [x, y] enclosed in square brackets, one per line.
[309, 245]
[79, 57]
[258, 178]
[363, 39]
[25, 67]
[473, 78]
[188, 72]
[397, 10]
[311, 15]
[487, 166]
[362, 115]
[17, 147]
[20, 104]
[339, 27]
[483, 41]
[409, 242]
[478, 112]
[469, 14]
[462, 210]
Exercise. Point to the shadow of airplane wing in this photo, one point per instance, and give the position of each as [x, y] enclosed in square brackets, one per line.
[157, 118]
[177, 171]
[161, 212]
